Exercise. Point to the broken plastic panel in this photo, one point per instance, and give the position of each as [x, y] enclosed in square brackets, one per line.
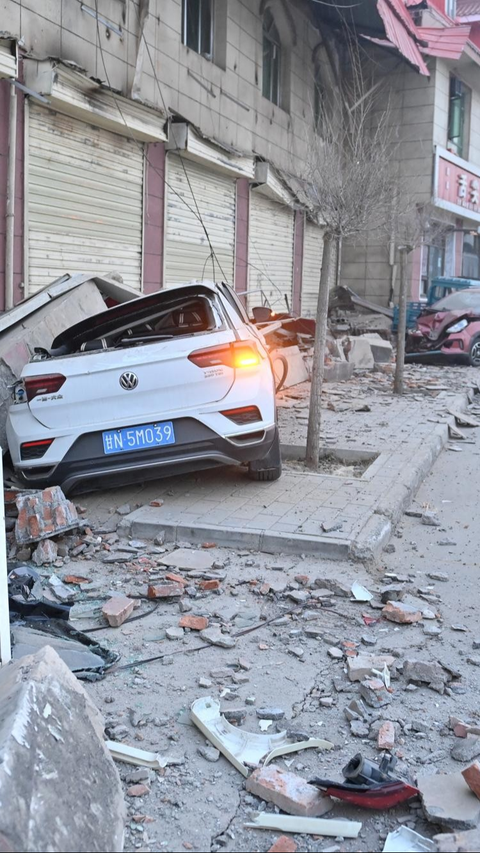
[86, 658]
[368, 784]
[305, 825]
[243, 749]
[405, 840]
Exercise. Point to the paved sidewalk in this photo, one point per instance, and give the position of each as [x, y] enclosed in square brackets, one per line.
[324, 514]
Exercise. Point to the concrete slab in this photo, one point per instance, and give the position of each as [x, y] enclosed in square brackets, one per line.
[59, 788]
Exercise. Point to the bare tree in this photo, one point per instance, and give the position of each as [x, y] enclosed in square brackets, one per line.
[350, 182]
[415, 224]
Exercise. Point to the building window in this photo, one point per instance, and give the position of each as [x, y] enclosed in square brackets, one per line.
[272, 55]
[457, 117]
[471, 256]
[318, 103]
[451, 8]
[197, 26]
[433, 264]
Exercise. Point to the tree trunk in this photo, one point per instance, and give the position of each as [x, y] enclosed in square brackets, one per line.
[315, 413]
[402, 323]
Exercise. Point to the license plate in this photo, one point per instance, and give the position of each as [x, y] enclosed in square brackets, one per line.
[138, 438]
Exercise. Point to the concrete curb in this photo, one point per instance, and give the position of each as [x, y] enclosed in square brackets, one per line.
[148, 522]
[377, 531]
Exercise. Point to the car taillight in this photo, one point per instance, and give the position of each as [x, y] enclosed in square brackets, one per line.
[35, 449]
[236, 355]
[243, 415]
[35, 386]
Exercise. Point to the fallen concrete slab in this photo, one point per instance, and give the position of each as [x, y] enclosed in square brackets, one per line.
[448, 801]
[59, 788]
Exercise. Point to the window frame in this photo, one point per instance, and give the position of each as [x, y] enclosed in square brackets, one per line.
[473, 256]
[200, 4]
[271, 40]
[451, 8]
[460, 101]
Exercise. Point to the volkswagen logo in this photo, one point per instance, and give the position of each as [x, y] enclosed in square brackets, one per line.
[128, 381]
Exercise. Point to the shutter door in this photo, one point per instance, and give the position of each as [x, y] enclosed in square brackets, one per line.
[84, 202]
[270, 252]
[187, 251]
[312, 263]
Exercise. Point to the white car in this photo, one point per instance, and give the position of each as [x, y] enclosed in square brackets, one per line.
[168, 383]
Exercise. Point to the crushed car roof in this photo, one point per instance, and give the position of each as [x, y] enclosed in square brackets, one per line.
[101, 324]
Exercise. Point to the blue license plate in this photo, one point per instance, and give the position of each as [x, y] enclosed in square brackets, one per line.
[138, 438]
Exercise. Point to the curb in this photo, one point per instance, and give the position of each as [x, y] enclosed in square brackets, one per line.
[378, 530]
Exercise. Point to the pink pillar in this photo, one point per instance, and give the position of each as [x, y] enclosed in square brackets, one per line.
[154, 216]
[458, 248]
[241, 236]
[298, 237]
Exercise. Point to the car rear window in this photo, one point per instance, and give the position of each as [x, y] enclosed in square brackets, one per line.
[462, 299]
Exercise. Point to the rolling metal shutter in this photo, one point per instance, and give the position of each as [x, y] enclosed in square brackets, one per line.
[312, 263]
[84, 204]
[187, 251]
[270, 252]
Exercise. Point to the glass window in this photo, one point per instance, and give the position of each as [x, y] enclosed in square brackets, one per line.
[459, 301]
[457, 116]
[197, 31]
[471, 256]
[433, 264]
[271, 59]
[451, 8]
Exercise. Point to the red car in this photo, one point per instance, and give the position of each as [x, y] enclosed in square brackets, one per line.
[449, 328]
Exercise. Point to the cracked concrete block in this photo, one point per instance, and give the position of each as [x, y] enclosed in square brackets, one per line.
[448, 801]
[59, 788]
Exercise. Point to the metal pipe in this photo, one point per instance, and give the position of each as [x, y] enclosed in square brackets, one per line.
[10, 208]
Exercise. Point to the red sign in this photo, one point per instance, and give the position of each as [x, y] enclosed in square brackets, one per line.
[456, 186]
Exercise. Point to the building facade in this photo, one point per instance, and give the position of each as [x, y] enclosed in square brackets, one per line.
[436, 118]
[160, 139]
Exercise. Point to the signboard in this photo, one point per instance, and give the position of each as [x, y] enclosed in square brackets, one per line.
[457, 185]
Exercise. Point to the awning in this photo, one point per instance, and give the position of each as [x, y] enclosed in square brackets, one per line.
[269, 184]
[401, 32]
[73, 93]
[183, 138]
[447, 42]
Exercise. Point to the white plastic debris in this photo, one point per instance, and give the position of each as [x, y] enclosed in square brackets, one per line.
[132, 755]
[405, 840]
[360, 593]
[243, 749]
[305, 825]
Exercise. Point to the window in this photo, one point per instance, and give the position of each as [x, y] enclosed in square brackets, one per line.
[271, 59]
[471, 256]
[197, 26]
[318, 103]
[459, 101]
[451, 8]
[433, 264]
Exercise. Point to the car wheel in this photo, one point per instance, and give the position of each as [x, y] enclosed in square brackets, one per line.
[270, 467]
[474, 354]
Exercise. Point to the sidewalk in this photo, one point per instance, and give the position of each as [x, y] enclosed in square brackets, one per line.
[327, 514]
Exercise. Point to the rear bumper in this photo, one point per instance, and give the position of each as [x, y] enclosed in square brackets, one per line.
[86, 467]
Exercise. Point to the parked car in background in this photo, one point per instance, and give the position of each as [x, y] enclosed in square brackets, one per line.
[168, 383]
[449, 328]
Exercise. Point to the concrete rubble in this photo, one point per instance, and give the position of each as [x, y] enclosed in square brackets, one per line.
[59, 788]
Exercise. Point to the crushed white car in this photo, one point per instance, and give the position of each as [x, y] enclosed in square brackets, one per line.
[169, 383]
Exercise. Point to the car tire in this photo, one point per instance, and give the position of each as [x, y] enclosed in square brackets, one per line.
[474, 353]
[270, 467]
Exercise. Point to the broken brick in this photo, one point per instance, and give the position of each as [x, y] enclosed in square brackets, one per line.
[196, 623]
[374, 693]
[170, 576]
[291, 793]
[45, 553]
[167, 590]
[283, 845]
[397, 611]
[208, 585]
[386, 735]
[117, 609]
[209, 544]
[472, 778]
[138, 791]
[40, 514]
[360, 667]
